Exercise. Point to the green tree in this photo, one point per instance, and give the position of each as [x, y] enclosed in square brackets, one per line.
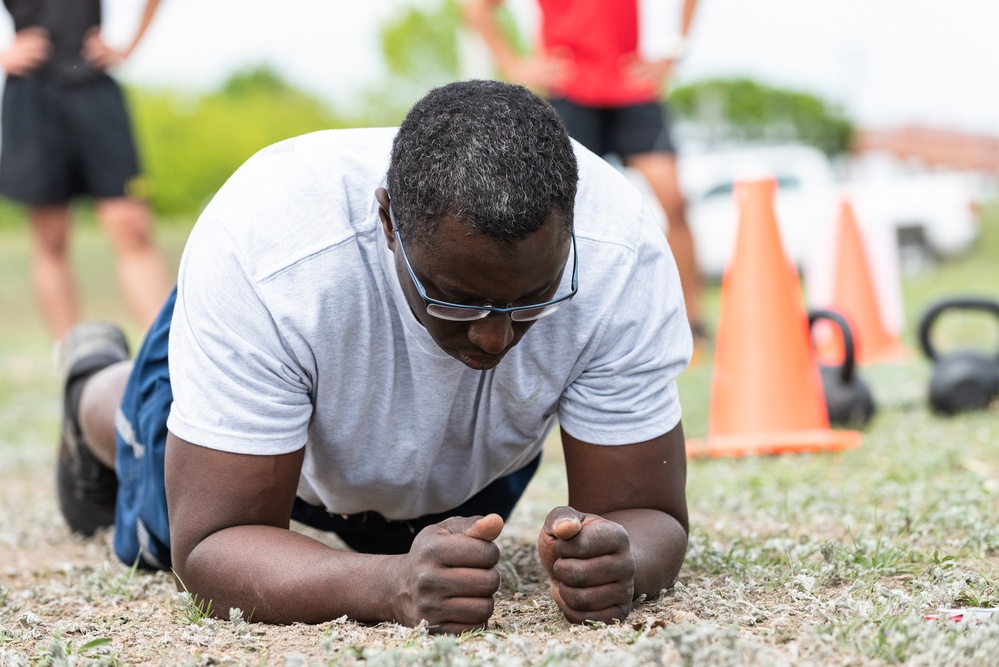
[190, 146]
[420, 49]
[422, 45]
[746, 110]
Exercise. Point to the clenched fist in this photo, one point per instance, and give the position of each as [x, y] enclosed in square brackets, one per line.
[589, 565]
[450, 575]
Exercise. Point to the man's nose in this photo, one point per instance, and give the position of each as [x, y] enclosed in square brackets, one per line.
[491, 334]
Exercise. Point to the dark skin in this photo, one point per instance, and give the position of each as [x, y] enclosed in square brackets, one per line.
[623, 535]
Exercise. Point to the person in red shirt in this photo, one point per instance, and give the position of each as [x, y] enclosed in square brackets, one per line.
[589, 66]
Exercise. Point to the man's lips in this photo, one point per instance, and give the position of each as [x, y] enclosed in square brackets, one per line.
[479, 361]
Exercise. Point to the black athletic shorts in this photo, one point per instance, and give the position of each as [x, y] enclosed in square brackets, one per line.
[59, 141]
[624, 131]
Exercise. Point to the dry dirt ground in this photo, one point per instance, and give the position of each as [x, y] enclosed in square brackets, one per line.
[798, 560]
[61, 592]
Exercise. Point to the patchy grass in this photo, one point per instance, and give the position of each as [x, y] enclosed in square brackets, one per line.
[823, 559]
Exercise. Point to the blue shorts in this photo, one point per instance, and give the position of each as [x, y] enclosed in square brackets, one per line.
[142, 532]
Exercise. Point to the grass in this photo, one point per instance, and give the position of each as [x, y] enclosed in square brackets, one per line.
[62, 653]
[196, 610]
[830, 559]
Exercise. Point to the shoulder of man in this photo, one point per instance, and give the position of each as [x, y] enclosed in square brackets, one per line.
[609, 208]
[298, 197]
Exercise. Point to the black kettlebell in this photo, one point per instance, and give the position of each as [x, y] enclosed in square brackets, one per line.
[848, 400]
[964, 379]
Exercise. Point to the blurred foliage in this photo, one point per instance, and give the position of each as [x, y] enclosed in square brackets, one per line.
[422, 50]
[746, 110]
[190, 146]
[11, 213]
[420, 47]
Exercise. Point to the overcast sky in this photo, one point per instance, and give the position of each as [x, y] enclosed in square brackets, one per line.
[886, 61]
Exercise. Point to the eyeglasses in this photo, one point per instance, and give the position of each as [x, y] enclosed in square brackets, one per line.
[458, 312]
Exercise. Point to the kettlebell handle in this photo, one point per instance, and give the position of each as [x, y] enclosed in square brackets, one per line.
[957, 303]
[849, 353]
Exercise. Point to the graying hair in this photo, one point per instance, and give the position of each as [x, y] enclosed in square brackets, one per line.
[492, 154]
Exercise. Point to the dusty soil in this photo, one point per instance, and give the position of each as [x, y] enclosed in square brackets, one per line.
[60, 592]
[805, 560]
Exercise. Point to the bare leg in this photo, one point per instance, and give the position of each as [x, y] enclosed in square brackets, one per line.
[98, 403]
[141, 269]
[659, 169]
[51, 273]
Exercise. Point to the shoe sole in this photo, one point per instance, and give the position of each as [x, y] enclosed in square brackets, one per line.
[86, 487]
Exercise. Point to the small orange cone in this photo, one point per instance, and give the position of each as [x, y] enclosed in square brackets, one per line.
[855, 297]
[766, 390]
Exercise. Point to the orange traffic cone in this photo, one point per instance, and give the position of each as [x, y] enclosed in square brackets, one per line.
[766, 391]
[855, 297]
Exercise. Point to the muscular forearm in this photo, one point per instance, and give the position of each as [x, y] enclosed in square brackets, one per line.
[279, 576]
[658, 545]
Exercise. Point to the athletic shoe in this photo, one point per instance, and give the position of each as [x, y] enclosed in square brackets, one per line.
[86, 487]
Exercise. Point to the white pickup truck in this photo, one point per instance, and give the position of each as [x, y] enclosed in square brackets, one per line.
[932, 216]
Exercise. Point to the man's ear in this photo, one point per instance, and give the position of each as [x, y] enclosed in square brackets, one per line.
[382, 197]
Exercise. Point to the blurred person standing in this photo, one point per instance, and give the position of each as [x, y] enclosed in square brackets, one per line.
[609, 95]
[66, 133]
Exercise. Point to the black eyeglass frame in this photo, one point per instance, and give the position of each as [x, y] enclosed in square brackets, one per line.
[480, 312]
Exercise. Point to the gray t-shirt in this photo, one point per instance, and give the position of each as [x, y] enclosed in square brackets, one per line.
[291, 330]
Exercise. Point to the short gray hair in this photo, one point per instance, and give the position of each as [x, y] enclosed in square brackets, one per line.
[492, 154]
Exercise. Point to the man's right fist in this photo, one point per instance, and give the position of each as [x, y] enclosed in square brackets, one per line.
[450, 575]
